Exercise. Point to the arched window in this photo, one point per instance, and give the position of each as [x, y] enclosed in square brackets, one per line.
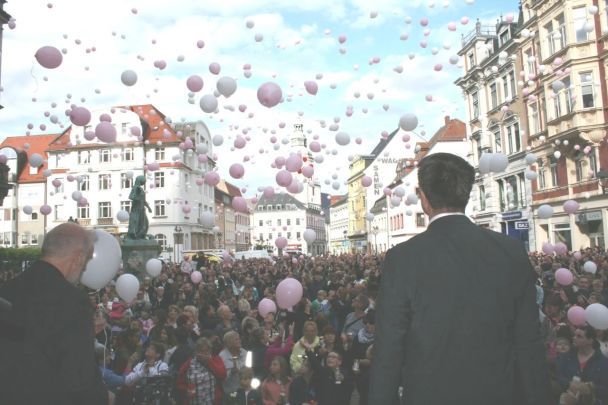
[162, 240]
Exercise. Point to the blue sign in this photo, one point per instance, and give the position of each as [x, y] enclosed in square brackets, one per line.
[510, 216]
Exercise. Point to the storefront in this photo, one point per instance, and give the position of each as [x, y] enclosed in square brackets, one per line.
[590, 224]
[515, 225]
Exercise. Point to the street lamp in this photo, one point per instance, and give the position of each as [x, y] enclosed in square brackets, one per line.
[344, 232]
[177, 240]
[375, 230]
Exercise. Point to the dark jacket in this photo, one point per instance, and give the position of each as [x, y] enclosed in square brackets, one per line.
[301, 391]
[47, 342]
[253, 397]
[327, 389]
[457, 321]
[596, 371]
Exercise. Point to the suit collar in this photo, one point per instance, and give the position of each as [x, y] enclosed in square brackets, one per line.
[450, 220]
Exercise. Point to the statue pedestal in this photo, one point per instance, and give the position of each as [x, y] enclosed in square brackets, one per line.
[136, 253]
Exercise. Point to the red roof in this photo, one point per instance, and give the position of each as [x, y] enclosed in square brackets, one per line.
[147, 113]
[38, 144]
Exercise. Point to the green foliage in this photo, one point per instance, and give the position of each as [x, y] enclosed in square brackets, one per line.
[12, 258]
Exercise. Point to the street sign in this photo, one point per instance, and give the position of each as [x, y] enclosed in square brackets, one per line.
[522, 225]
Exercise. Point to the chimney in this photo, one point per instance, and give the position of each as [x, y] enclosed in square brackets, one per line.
[447, 119]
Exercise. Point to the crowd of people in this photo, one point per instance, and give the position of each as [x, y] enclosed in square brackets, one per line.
[205, 343]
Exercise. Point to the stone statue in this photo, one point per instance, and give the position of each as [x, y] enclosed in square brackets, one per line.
[138, 221]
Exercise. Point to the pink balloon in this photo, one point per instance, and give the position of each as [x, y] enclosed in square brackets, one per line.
[199, 182]
[308, 171]
[269, 94]
[240, 204]
[452, 26]
[366, 181]
[186, 208]
[358, 140]
[214, 68]
[194, 83]
[577, 255]
[279, 161]
[293, 162]
[105, 118]
[240, 142]
[266, 306]
[45, 209]
[315, 146]
[284, 178]
[438, 67]
[560, 248]
[289, 293]
[564, 277]
[268, 192]
[200, 44]
[548, 248]
[294, 187]
[49, 57]
[196, 277]
[154, 166]
[311, 87]
[212, 178]
[570, 206]
[424, 21]
[242, 108]
[105, 132]
[236, 170]
[342, 39]
[71, 177]
[80, 116]
[464, 20]
[576, 315]
[280, 242]
[56, 183]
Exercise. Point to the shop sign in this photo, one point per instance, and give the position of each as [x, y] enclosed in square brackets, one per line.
[510, 216]
[522, 225]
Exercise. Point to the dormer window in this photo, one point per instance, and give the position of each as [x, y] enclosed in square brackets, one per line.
[505, 36]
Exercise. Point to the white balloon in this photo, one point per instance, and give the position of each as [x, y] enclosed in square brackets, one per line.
[76, 195]
[36, 160]
[226, 86]
[499, 163]
[484, 162]
[105, 261]
[154, 267]
[545, 211]
[208, 103]
[557, 154]
[531, 175]
[369, 216]
[217, 140]
[596, 315]
[128, 78]
[399, 192]
[342, 138]
[412, 199]
[207, 219]
[27, 209]
[530, 158]
[309, 236]
[408, 122]
[590, 267]
[122, 216]
[127, 287]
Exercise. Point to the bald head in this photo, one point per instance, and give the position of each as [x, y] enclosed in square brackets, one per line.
[68, 247]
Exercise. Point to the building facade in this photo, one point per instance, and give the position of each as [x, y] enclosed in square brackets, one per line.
[338, 225]
[234, 227]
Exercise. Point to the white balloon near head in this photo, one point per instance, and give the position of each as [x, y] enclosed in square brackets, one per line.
[596, 315]
[154, 267]
[590, 267]
[105, 261]
[484, 163]
[545, 211]
[127, 287]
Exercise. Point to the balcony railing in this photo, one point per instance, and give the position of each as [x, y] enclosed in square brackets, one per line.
[105, 221]
[84, 221]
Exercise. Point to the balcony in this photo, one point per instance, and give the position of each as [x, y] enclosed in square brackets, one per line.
[84, 221]
[572, 191]
[105, 221]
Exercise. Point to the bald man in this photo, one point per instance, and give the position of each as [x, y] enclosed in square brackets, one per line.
[47, 338]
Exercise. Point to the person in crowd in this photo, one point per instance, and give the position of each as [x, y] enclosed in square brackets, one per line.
[152, 365]
[207, 317]
[354, 320]
[584, 362]
[47, 335]
[270, 326]
[248, 324]
[333, 383]
[328, 343]
[357, 356]
[234, 357]
[301, 389]
[275, 388]
[111, 380]
[562, 345]
[192, 313]
[246, 394]
[321, 305]
[310, 341]
[433, 333]
[172, 313]
[227, 322]
[183, 350]
[200, 379]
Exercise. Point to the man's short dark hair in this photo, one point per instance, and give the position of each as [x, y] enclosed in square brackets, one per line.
[446, 180]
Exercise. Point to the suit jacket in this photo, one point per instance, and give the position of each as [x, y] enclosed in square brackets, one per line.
[457, 322]
[47, 342]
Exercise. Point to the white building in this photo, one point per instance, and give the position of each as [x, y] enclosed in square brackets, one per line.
[338, 225]
[104, 173]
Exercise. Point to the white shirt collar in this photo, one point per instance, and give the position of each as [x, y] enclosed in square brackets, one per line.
[445, 214]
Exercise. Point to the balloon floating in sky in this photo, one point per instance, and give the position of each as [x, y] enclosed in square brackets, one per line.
[269, 94]
[194, 83]
[408, 122]
[128, 78]
[311, 87]
[80, 116]
[49, 57]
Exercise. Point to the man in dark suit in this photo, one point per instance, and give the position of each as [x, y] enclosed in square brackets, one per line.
[47, 337]
[456, 319]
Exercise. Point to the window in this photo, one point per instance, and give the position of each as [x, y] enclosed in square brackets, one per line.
[541, 176]
[261, 238]
[497, 140]
[554, 177]
[261, 222]
[24, 239]
[159, 153]
[278, 221]
[125, 205]
[159, 179]
[105, 209]
[505, 88]
[504, 37]
[561, 233]
[475, 98]
[105, 156]
[298, 235]
[559, 36]
[493, 96]
[550, 42]
[60, 188]
[84, 184]
[84, 157]
[162, 240]
[530, 59]
[123, 129]
[105, 181]
[270, 237]
[34, 240]
[288, 235]
[56, 210]
[579, 15]
[587, 89]
[420, 220]
[568, 95]
[512, 84]
[34, 215]
[159, 208]
[580, 169]
[471, 57]
[482, 198]
[513, 138]
[127, 154]
[125, 181]
[83, 212]
[533, 116]
[592, 162]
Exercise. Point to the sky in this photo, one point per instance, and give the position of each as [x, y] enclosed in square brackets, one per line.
[297, 41]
